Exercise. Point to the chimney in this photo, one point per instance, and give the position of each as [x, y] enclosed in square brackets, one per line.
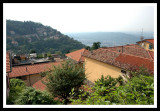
[26, 69]
[122, 49]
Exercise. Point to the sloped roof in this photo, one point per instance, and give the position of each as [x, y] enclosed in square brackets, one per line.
[31, 69]
[150, 40]
[130, 61]
[77, 55]
[39, 85]
[132, 49]
[147, 40]
[119, 59]
[8, 65]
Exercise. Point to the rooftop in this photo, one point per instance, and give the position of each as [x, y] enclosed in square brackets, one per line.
[77, 55]
[31, 69]
[129, 58]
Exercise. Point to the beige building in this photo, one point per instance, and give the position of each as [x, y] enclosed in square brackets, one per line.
[147, 44]
[31, 73]
[116, 61]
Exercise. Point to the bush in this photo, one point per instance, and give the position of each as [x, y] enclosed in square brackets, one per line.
[138, 91]
[62, 79]
[32, 96]
[16, 87]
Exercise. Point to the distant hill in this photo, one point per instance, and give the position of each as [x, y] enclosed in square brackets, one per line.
[108, 38]
[25, 36]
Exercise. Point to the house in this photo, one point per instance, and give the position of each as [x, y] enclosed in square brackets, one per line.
[8, 71]
[147, 44]
[31, 73]
[116, 61]
[33, 55]
[77, 55]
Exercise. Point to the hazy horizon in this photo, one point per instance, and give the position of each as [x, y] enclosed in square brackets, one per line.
[74, 17]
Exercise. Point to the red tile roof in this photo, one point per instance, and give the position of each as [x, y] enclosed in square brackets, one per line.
[39, 85]
[147, 40]
[126, 60]
[150, 40]
[8, 65]
[77, 55]
[31, 69]
[132, 49]
[130, 61]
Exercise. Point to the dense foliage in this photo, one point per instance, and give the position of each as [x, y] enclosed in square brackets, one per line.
[139, 90]
[62, 79]
[16, 87]
[30, 96]
[30, 35]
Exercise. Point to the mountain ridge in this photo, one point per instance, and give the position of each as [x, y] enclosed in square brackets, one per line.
[25, 36]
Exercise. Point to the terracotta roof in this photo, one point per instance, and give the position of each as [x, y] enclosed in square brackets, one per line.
[151, 54]
[31, 69]
[132, 49]
[8, 65]
[147, 40]
[39, 85]
[77, 55]
[130, 61]
[119, 59]
[150, 40]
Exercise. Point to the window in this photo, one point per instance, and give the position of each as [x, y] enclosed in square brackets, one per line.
[150, 46]
[123, 71]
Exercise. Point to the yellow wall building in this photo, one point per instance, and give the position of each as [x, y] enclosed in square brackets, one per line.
[95, 69]
[147, 44]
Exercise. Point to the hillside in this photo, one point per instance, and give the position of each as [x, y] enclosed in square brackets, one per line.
[108, 38]
[25, 36]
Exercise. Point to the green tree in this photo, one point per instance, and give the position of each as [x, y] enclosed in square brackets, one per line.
[32, 51]
[62, 79]
[88, 47]
[96, 45]
[16, 87]
[33, 96]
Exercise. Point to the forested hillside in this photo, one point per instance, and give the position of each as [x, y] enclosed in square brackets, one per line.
[22, 37]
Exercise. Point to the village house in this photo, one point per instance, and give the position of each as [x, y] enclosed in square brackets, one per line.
[8, 71]
[147, 44]
[31, 73]
[77, 56]
[116, 61]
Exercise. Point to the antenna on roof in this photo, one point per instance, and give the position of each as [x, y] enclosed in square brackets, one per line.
[26, 69]
[142, 35]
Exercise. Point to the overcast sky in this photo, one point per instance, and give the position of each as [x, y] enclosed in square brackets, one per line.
[85, 17]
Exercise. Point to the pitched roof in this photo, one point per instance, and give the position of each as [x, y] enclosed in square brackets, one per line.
[77, 55]
[130, 62]
[39, 85]
[147, 40]
[119, 59]
[132, 49]
[31, 69]
[8, 65]
[150, 40]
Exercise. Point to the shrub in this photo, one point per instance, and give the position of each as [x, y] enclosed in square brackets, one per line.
[31, 96]
[62, 79]
[16, 87]
[139, 90]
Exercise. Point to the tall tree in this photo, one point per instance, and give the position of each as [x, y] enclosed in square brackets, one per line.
[62, 79]
[96, 45]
